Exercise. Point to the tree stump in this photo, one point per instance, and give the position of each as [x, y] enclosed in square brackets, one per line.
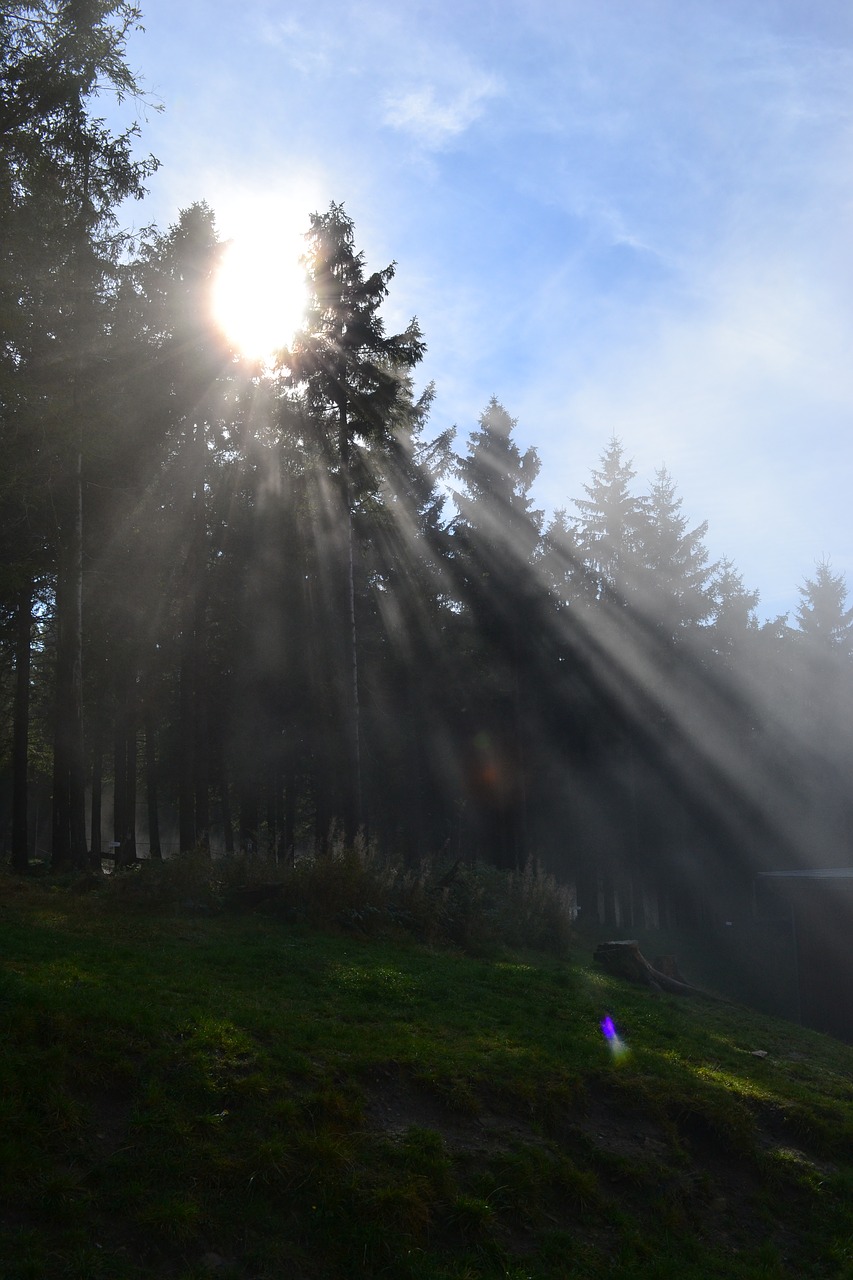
[625, 960]
[668, 965]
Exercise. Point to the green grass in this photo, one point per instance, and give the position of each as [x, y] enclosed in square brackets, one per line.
[187, 1094]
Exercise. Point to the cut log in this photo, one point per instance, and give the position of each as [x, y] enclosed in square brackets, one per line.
[624, 959]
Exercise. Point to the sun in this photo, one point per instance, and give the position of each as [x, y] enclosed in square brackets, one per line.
[259, 294]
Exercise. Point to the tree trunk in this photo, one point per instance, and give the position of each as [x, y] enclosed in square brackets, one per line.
[186, 676]
[194, 776]
[154, 847]
[124, 813]
[518, 708]
[130, 766]
[69, 769]
[272, 831]
[353, 816]
[201, 751]
[249, 821]
[289, 822]
[96, 810]
[227, 821]
[119, 783]
[186, 742]
[21, 730]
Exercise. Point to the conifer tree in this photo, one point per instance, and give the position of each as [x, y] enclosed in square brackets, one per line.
[348, 374]
[674, 574]
[734, 619]
[822, 662]
[561, 564]
[822, 619]
[495, 540]
[62, 174]
[174, 275]
[609, 526]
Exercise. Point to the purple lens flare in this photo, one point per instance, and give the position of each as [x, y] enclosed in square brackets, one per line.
[618, 1049]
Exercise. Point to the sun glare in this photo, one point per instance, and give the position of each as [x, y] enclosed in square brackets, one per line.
[259, 296]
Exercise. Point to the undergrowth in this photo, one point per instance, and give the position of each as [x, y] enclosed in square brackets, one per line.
[474, 907]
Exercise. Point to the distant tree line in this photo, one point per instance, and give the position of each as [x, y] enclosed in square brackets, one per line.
[242, 608]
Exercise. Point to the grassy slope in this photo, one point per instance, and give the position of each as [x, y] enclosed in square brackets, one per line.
[237, 1096]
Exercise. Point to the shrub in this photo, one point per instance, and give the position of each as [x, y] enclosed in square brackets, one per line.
[474, 907]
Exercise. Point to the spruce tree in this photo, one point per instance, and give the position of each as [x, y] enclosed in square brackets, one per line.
[609, 527]
[62, 174]
[349, 376]
[824, 623]
[674, 574]
[822, 661]
[495, 540]
[734, 623]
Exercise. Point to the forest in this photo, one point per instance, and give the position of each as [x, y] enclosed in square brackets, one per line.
[251, 608]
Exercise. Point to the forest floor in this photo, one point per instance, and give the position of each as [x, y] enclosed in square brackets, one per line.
[189, 1093]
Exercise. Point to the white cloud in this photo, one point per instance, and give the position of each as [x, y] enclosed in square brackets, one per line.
[435, 116]
[309, 50]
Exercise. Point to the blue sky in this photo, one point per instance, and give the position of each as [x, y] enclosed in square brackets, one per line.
[629, 217]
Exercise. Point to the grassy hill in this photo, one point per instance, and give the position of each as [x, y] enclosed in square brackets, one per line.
[188, 1090]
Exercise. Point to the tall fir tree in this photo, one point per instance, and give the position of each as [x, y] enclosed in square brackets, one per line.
[674, 573]
[609, 526]
[823, 620]
[62, 175]
[495, 540]
[349, 374]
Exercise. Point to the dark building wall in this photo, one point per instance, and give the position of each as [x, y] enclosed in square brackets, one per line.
[821, 904]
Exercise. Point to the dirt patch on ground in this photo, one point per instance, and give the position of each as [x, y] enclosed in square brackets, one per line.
[396, 1101]
[696, 1179]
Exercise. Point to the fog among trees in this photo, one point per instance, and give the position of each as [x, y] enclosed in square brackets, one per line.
[244, 608]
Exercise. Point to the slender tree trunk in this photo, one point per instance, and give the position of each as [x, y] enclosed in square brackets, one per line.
[186, 744]
[354, 816]
[319, 737]
[188, 737]
[201, 748]
[194, 777]
[272, 824]
[77, 762]
[227, 821]
[522, 839]
[155, 849]
[249, 821]
[20, 731]
[124, 815]
[130, 774]
[60, 838]
[69, 769]
[119, 782]
[96, 810]
[289, 819]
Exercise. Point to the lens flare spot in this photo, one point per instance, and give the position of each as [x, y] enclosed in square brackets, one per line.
[618, 1049]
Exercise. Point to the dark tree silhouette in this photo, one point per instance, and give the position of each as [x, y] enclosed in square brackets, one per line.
[61, 176]
[348, 373]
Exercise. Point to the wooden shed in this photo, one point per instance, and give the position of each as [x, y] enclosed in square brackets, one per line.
[820, 907]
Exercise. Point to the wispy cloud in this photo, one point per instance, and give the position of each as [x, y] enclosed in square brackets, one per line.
[309, 49]
[434, 115]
